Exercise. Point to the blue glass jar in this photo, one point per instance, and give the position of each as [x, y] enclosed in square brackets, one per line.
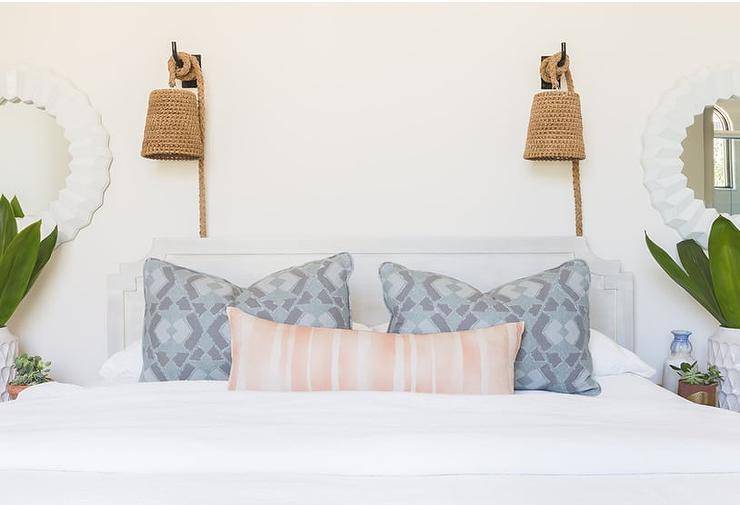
[681, 343]
[681, 351]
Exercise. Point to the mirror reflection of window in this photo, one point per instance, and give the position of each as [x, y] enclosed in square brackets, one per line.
[722, 148]
[711, 155]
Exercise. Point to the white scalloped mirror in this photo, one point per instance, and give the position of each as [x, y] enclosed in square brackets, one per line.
[53, 150]
[691, 152]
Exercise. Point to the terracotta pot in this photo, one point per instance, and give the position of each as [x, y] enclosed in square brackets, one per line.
[703, 395]
[14, 391]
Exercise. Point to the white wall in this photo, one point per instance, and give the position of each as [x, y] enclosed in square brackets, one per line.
[370, 120]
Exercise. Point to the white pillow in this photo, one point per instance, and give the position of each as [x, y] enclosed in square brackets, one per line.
[609, 358]
[381, 328]
[123, 367]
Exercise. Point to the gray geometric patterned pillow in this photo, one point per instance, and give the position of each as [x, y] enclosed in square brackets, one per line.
[186, 331]
[553, 305]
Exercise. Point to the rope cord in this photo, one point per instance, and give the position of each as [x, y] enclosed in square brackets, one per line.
[551, 72]
[190, 71]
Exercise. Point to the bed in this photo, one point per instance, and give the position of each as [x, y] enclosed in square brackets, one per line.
[196, 442]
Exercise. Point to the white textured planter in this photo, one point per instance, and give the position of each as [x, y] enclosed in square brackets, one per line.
[724, 353]
[8, 353]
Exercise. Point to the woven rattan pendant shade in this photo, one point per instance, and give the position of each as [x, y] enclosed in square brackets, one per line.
[555, 127]
[172, 130]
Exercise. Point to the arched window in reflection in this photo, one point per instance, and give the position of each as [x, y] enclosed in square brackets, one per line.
[722, 149]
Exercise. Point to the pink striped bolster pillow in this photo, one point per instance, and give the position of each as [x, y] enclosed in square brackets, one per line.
[268, 356]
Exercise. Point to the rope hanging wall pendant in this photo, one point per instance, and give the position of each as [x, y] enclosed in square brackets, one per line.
[556, 126]
[175, 124]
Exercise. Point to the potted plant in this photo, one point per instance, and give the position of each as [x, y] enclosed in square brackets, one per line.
[22, 256]
[713, 280]
[29, 371]
[697, 386]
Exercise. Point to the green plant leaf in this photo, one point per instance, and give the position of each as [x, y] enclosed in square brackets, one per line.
[8, 226]
[17, 209]
[681, 278]
[16, 267]
[724, 262]
[45, 249]
[696, 264]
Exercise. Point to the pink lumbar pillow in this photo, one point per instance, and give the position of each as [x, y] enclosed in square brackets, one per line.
[269, 356]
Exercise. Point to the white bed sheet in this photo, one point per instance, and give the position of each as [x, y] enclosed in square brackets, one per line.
[171, 442]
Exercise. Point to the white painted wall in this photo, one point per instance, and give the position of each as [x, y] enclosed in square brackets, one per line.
[372, 120]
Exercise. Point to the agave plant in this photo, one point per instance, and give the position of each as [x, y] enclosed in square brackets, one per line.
[22, 256]
[712, 281]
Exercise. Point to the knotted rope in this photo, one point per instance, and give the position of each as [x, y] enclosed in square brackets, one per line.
[551, 72]
[191, 71]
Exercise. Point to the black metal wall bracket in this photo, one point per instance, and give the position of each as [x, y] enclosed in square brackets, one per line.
[178, 63]
[563, 54]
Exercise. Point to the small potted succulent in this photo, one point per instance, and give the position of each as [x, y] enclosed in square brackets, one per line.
[29, 371]
[696, 386]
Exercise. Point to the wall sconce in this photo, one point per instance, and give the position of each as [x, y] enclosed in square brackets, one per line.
[555, 125]
[175, 122]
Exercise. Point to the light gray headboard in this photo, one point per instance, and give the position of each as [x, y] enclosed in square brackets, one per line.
[482, 262]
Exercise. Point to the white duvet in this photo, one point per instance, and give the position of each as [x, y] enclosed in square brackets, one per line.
[187, 431]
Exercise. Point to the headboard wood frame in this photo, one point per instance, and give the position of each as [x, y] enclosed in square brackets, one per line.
[484, 262]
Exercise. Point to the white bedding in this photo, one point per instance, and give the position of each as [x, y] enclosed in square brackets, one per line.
[125, 443]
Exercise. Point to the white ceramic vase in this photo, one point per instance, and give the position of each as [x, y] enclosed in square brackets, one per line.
[724, 353]
[8, 353]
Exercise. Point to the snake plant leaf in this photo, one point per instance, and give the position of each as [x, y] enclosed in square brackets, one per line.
[8, 226]
[17, 209]
[45, 249]
[16, 267]
[724, 262]
[681, 278]
[696, 264]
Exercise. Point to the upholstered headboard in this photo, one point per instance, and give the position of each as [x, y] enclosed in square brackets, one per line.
[482, 262]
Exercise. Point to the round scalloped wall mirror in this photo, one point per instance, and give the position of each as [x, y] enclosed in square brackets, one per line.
[691, 152]
[54, 151]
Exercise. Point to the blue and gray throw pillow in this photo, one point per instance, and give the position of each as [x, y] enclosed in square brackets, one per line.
[186, 330]
[553, 305]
